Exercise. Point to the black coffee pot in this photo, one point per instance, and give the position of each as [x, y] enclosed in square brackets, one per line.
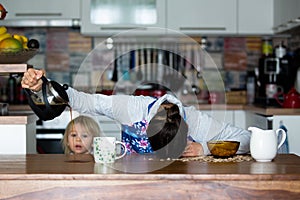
[50, 102]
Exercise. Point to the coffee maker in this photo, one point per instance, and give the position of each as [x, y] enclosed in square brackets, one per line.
[273, 75]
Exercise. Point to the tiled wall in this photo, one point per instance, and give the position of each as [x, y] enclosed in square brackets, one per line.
[63, 50]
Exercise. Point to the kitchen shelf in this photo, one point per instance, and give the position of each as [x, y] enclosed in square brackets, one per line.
[13, 68]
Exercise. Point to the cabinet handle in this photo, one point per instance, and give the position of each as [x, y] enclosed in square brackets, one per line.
[202, 28]
[38, 14]
[122, 28]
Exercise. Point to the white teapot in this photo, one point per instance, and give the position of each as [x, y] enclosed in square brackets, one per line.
[264, 143]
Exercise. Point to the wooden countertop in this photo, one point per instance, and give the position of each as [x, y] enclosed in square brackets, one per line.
[13, 68]
[55, 176]
[15, 118]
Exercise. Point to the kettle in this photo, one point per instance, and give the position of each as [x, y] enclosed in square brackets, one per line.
[291, 99]
[50, 102]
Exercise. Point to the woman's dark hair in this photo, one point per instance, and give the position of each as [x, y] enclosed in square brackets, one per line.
[167, 131]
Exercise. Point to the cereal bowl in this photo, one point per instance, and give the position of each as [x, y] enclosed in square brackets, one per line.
[223, 148]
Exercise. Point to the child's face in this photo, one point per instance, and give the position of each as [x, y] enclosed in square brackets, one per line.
[79, 140]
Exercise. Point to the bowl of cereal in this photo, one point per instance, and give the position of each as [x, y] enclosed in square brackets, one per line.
[223, 149]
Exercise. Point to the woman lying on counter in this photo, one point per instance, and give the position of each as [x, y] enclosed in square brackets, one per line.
[148, 124]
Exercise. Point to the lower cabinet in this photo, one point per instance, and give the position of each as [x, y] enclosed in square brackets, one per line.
[18, 138]
[109, 127]
[235, 117]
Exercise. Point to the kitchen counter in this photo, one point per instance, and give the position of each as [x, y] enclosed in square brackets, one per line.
[19, 118]
[252, 108]
[56, 176]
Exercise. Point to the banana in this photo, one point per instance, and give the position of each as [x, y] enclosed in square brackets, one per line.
[4, 36]
[18, 37]
[2, 30]
[24, 38]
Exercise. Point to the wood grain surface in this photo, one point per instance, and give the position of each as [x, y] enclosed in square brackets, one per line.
[49, 176]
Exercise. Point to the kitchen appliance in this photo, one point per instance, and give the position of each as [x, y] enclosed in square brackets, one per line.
[50, 102]
[275, 74]
[291, 99]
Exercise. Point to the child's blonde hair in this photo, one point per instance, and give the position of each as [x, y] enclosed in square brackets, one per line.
[91, 126]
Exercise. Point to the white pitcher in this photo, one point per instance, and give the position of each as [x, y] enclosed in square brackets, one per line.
[264, 143]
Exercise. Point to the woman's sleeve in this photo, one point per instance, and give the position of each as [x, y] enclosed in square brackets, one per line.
[203, 128]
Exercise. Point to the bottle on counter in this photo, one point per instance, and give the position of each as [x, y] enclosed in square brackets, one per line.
[3, 93]
[250, 87]
[11, 89]
[21, 96]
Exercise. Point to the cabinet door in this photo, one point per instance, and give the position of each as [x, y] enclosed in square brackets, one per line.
[221, 115]
[202, 16]
[239, 118]
[291, 122]
[255, 17]
[286, 14]
[42, 9]
[109, 127]
[102, 17]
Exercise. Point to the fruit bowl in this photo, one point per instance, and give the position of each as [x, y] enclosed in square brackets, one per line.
[223, 148]
[9, 57]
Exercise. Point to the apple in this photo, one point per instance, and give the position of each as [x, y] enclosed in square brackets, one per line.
[2, 12]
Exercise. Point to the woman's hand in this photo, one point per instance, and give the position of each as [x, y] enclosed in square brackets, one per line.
[193, 149]
[32, 79]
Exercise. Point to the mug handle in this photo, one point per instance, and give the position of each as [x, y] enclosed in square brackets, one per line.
[283, 138]
[125, 150]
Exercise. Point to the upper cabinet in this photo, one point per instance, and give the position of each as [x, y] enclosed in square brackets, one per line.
[286, 14]
[202, 16]
[41, 13]
[113, 16]
[255, 16]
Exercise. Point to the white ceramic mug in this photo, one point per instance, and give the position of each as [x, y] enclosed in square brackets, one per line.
[272, 90]
[264, 143]
[105, 149]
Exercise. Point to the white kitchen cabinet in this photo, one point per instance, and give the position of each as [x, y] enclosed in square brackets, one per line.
[286, 14]
[18, 134]
[255, 16]
[202, 16]
[226, 116]
[130, 17]
[109, 127]
[240, 118]
[234, 117]
[41, 12]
